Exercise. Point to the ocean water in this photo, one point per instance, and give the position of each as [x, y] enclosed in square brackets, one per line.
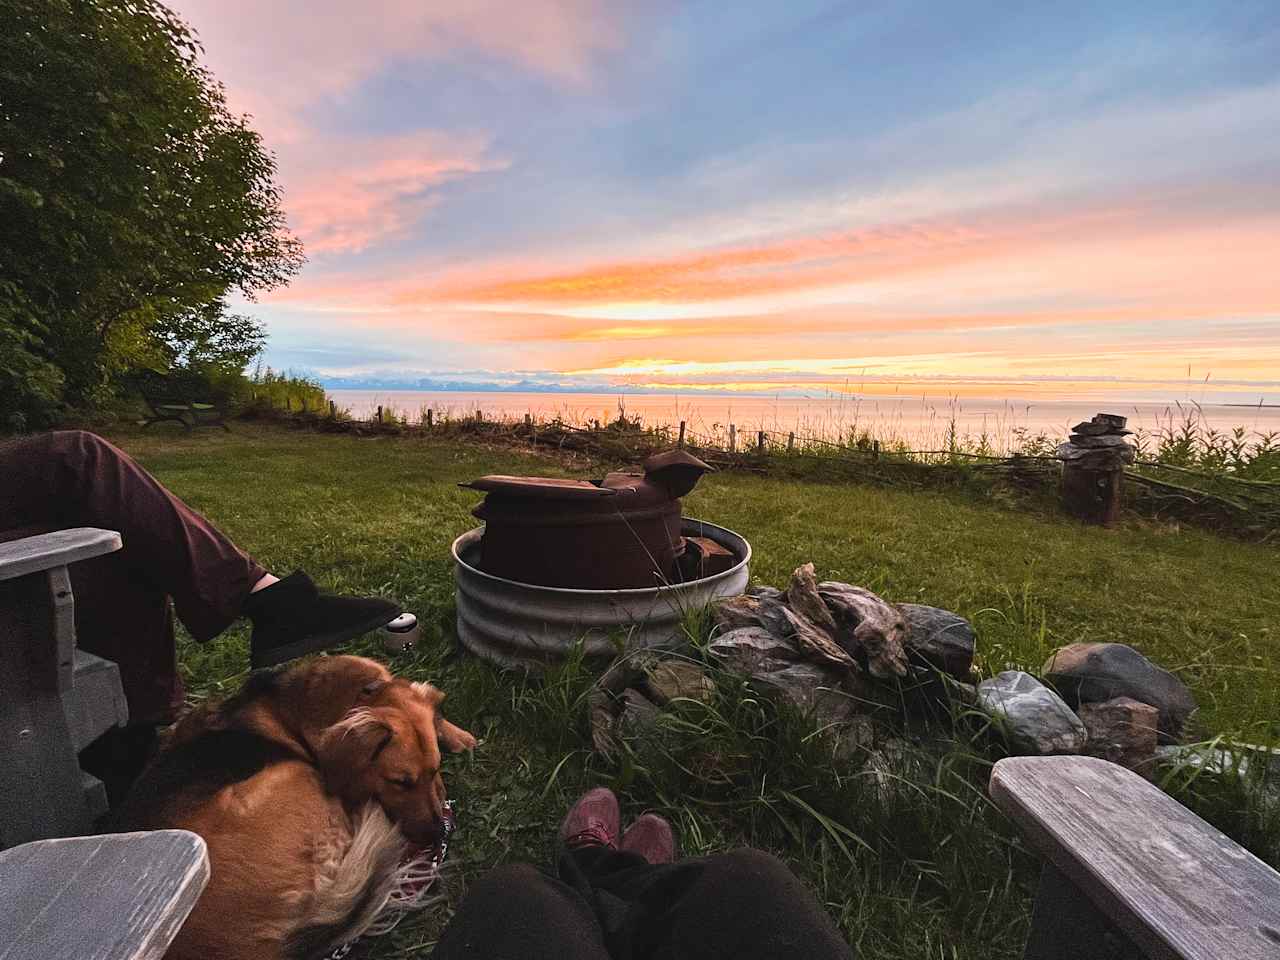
[922, 423]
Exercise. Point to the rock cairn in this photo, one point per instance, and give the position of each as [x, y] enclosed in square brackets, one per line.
[1099, 444]
[1093, 462]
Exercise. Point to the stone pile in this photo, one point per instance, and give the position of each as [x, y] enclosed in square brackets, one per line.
[1099, 444]
[861, 666]
[833, 649]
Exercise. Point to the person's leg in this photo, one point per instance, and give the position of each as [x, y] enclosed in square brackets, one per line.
[76, 478]
[745, 905]
[517, 913]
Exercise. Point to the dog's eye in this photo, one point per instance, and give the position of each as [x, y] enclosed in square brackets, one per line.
[405, 783]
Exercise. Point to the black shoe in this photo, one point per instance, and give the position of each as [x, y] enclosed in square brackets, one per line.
[292, 618]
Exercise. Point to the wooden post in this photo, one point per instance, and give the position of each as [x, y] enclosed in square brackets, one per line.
[760, 441]
[333, 410]
[1093, 461]
[733, 438]
[791, 441]
[875, 449]
[1092, 495]
[479, 416]
[680, 442]
[379, 413]
[430, 414]
[528, 422]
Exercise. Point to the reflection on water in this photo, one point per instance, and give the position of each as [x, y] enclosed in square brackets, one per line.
[920, 423]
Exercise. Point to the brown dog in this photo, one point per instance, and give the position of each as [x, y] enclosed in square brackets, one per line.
[304, 786]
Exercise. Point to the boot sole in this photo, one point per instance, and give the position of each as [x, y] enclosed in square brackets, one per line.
[317, 642]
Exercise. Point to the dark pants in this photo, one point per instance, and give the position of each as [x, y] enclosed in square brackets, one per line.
[607, 905]
[76, 479]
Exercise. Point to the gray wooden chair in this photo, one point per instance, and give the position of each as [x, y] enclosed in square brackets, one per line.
[54, 699]
[120, 897]
[1130, 872]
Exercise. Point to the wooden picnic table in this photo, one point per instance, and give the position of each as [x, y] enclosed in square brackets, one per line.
[118, 897]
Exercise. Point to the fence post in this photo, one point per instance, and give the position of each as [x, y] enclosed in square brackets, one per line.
[379, 414]
[430, 415]
[528, 422]
[479, 416]
[875, 449]
[791, 441]
[733, 438]
[760, 442]
[680, 442]
[1093, 462]
[333, 410]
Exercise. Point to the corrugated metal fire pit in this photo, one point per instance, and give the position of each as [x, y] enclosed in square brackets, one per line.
[530, 626]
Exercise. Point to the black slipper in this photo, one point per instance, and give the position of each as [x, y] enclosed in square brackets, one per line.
[292, 618]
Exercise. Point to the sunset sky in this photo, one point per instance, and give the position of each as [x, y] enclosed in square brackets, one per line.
[993, 199]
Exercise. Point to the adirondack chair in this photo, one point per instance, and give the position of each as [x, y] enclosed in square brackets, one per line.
[54, 699]
[1130, 872]
[120, 897]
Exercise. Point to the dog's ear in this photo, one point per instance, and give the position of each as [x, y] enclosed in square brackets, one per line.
[350, 746]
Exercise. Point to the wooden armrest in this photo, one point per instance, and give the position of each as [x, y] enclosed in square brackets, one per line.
[117, 897]
[48, 551]
[1177, 887]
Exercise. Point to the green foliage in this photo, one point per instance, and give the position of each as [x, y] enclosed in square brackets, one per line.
[132, 202]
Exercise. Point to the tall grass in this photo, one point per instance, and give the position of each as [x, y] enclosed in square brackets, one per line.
[267, 389]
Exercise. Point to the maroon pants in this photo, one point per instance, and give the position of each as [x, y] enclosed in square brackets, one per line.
[76, 479]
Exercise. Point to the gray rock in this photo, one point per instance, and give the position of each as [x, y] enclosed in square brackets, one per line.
[639, 713]
[1033, 718]
[802, 597]
[1095, 442]
[815, 689]
[600, 715]
[1097, 458]
[766, 592]
[671, 679]
[894, 767]
[867, 627]
[1093, 672]
[751, 650]
[782, 621]
[939, 638]
[1122, 731]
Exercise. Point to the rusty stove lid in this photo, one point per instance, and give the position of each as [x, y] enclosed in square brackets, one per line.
[539, 488]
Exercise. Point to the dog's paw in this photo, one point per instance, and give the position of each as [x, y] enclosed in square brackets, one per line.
[455, 739]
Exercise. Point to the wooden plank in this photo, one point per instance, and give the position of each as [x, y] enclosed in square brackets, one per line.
[1177, 887]
[48, 550]
[95, 703]
[41, 794]
[118, 897]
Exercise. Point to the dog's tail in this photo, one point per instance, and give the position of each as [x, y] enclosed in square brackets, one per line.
[351, 897]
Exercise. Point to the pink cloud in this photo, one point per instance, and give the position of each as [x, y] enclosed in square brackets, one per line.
[344, 197]
[280, 58]
[284, 54]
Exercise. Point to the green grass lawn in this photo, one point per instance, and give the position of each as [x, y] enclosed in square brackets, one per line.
[913, 863]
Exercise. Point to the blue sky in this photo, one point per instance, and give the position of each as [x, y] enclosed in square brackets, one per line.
[732, 195]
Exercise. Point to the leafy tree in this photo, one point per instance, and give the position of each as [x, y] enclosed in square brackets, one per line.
[132, 203]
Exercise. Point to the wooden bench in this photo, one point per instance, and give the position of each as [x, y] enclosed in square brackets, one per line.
[189, 413]
[1130, 872]
[119, 897]
[54, 699]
